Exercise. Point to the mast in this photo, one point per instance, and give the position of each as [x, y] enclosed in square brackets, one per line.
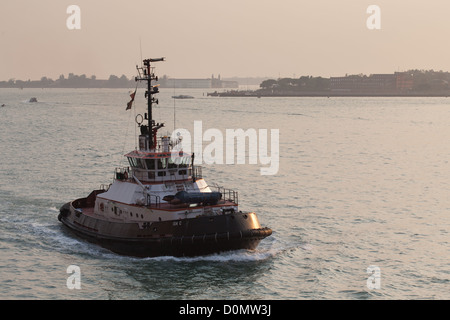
[147, 139]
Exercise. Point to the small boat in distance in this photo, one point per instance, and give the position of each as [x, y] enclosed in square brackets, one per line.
[32, 100]
[160, 205]
[183, 96]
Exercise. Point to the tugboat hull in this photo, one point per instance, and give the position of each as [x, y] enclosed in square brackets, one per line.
[186, 237]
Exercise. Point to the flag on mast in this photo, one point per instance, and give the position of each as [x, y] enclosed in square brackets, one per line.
[130, 104]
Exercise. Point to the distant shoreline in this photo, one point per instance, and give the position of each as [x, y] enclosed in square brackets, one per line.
[256, 94]
[412, 83]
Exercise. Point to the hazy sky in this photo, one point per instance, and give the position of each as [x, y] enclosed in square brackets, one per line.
[229, 37]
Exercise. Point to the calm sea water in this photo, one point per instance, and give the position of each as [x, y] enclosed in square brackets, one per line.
[362, 182]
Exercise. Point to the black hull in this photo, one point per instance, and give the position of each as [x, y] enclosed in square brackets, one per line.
[202, 237]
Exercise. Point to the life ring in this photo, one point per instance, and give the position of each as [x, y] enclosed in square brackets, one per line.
[102, 207]
[139, 119]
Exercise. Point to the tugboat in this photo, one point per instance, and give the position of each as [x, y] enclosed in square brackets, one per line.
[160, 205]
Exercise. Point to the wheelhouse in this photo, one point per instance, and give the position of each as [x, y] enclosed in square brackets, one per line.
[162, 166]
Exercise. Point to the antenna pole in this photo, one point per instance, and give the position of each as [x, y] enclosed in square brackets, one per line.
[150, 130]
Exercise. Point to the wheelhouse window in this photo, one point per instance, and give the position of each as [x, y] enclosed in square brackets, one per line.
[183, 162]
[162, 163]
[133, 162]
[141, 163]
[150, 164]
[136, 163]
[172, 164]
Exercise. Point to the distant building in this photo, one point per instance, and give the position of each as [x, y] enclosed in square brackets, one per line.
[187, 83]
[345, 84]
[375, 83]
[229, 84]
[405, 81]
[199, 83]
[218, 83]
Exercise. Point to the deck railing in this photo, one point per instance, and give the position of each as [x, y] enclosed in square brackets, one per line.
[227, 194]
[153, 200]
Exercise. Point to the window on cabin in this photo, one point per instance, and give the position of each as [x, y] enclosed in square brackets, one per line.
[172, 164]
[150, 164]
[141, 163]
[183, 162]
[132, 161]
[162, 163]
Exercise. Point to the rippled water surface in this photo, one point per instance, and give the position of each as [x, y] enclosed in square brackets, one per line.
[362, 182]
